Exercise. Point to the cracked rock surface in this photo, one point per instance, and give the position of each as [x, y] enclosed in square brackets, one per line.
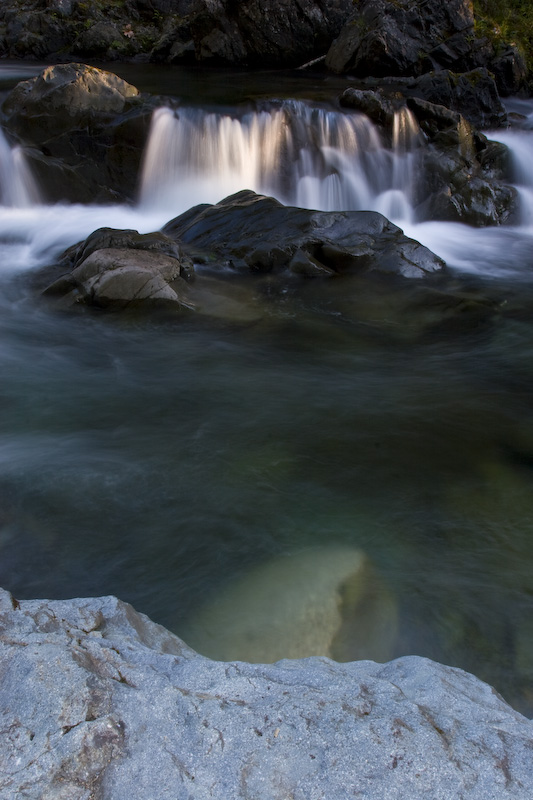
[97, 701]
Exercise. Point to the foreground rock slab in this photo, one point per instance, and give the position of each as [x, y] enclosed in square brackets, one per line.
[98, 701]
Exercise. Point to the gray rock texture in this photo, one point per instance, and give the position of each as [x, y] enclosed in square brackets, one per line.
[97, 701]
[120, 269]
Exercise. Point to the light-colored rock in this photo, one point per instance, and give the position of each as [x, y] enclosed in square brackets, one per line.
[326, 601]
[98, 701]
[71, 89]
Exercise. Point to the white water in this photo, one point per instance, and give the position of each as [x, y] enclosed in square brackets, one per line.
[328, 160]
[304, 156]
[17, 186]
[308, 156]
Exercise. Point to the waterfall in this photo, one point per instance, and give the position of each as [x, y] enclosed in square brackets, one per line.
[306, 156]
[518, 144]
[17, 186]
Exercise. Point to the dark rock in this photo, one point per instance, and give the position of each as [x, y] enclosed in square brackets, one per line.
[276, 33]
[250, 232]
[510, 70]
[85, 130]
[407, 37]
[375, 105]
[473, 94]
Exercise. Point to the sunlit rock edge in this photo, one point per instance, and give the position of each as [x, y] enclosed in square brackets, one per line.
[97, 700]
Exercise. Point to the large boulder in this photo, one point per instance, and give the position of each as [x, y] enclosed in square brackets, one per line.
[84, 130]
[407, 37]
[97, 700]
[253, 233]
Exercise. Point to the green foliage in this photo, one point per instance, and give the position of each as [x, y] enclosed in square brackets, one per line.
[507, 21]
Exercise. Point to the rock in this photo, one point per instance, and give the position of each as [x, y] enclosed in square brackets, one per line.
[320, 602]
[407, 37]
[84, 130]
[124, 269]
[461, 176]
[374, 104]
[473, 94]
[277, 33]
[253, 233]
[266, 32]
[116, 706]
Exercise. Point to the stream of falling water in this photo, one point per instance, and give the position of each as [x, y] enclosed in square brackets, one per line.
[304, 156]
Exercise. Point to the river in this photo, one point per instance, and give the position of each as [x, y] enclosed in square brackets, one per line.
[160, 462]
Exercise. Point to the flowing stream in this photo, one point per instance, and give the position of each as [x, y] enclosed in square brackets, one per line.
[163, 462]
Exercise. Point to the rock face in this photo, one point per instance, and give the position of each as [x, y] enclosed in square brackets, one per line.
[258, 234]
[85, 131]
[403, 38]
[115, 706]
[278, 33]
[414, 37]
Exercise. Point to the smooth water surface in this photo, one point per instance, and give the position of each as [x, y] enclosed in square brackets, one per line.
[161, 460]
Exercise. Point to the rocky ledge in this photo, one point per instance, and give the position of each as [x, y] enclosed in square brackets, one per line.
[98, 701]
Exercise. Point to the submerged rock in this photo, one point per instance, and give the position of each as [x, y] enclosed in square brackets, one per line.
[320, 602]
[116, 706]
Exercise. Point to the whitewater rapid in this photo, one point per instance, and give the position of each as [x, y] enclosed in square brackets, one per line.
[303, 155]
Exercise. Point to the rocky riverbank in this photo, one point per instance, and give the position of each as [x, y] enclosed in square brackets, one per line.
[374, 38]
[97, 700]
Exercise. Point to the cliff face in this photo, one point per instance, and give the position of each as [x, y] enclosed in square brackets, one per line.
[274, 33]
[97, 700]
[367, 38]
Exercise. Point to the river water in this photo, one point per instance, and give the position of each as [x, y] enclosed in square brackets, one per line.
[163, 461]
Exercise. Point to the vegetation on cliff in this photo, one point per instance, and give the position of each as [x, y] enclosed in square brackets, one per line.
[507, 21]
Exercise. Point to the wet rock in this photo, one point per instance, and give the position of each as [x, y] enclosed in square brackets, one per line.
[252, 233]
[320, 602]
[374, 104]
[84, 130]
[116, 706]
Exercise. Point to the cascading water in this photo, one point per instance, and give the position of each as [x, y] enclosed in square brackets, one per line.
[305, 156]
[18, 188]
